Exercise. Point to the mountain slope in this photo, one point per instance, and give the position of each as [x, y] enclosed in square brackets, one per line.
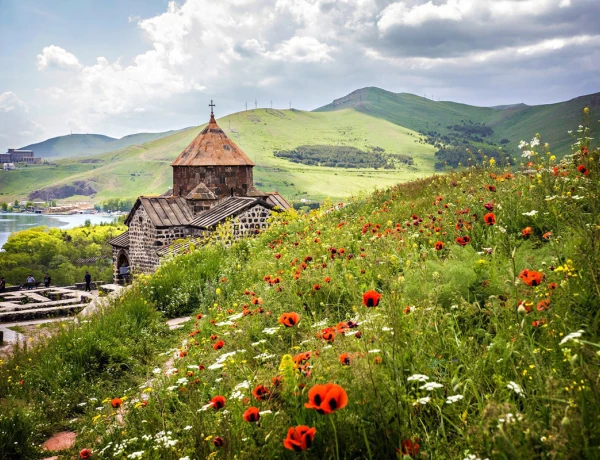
[81, 145]
[145, 169]
[513, 122]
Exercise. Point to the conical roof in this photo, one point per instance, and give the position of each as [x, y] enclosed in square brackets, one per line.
[212, 147]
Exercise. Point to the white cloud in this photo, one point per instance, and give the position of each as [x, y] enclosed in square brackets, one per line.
[56, 57]
[301, 49]
[16, 127]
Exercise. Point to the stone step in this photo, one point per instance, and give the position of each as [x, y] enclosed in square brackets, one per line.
[36, 313]
[6, 307]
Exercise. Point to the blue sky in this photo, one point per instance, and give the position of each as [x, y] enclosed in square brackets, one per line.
[119, 67]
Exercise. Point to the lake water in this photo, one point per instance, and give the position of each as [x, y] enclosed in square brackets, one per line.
[14, 222]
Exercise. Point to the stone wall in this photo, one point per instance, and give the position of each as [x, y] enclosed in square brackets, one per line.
[219, 179]
[251, 221]
[142, 235]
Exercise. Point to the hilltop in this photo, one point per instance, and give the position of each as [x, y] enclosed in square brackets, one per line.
[514, 122]
[452, 317]
[83, 145]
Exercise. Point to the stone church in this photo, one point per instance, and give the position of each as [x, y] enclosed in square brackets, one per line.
[212, 183]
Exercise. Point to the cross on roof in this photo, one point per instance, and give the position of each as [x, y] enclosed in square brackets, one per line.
[211, 105]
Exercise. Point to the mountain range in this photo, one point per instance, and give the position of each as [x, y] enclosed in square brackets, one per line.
[369, 119]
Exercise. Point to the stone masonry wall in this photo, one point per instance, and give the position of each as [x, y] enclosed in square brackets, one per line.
[250, 222]
[142, 235]
[219, 179]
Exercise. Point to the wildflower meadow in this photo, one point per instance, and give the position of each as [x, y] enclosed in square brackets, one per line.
[451, 317]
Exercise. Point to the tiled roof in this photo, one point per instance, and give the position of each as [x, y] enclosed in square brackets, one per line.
[212, 147]
[121, 241]
[201, 192]
[163, 211]
[229, 207]
[276, 199]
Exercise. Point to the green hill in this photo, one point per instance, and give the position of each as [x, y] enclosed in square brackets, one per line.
[145, 169]
[81, 145]
[513, 122]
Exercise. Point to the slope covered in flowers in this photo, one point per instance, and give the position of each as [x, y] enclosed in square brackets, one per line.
[452, 317]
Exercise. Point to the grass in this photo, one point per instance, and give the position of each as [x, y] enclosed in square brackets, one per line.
[460, 353]
[145, 169]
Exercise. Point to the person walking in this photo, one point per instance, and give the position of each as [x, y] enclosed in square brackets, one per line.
[30, 282]
[2, 284]
[88, 280]
[47, 280]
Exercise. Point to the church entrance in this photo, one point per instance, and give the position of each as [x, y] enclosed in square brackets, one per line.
[123, 268]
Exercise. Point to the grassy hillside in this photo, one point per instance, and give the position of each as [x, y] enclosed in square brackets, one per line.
[454, 317]
[513, 122]
[82, 145]
[145, 169]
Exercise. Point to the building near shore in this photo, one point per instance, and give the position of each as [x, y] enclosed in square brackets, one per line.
[19, 156]
[212, 184]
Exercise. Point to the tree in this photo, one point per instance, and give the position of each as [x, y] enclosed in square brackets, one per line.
[4, 206]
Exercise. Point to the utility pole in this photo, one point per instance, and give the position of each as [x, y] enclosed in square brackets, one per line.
[246, 106]
[271, 103]
[290, 105]
[255, 104]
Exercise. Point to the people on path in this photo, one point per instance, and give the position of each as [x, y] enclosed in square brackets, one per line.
[47, 280]
[30, 282]
[88, 280]
[2, 284]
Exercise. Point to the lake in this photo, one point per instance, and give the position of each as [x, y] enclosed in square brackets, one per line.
[14, 222]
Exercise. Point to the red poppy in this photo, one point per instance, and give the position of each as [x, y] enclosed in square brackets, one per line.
[199, 316]
[327, 398]
[301, 357]
[547, 235]
[327, 334]
[116, 402]
[85, 453]
[299, 438]
[327, 279]
[583, 170]
[377, 360]
[531, 277]
[218, 441]
[538, 323]
[526, 231]
[543, 305]
[261, 392]
[552, 286]
[410, 448]
[278, 256]
[276, 380]
[371, 298]
[218, 402]
[317, 287]
[289, 319]
[463, 241]
[439, 245]
[491, 188]
[490, 218]
[489, 206]
[218, 345]
[344, 359]
[252, 414]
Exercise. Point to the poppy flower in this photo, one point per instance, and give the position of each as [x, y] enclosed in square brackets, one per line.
[531, 277]
[116, 402]
[199, 316]
[344, 359]
[218, 402]
[327, 279]
[218, 441]
[463, 241]
[489, 206]
[289, 319]
[583, 170]
[526, 231]
[538, 323]
[261, 392]
[552, 286]
[299, 438]
[327, 398]
[439, 245]
[543, 305]
[218, 345]
[252, 414]
[371, 298]
[547, 235]
[317, 287]
[410, 448]
[490, 218]
[327, 334]
[491, 188]
[85, 453]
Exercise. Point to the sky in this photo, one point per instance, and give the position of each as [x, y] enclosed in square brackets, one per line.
[118, 67]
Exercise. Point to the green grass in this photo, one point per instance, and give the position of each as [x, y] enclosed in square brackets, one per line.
[511, 380]
[145, 169]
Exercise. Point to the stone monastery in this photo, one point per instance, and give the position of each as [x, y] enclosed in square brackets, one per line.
[212, 182]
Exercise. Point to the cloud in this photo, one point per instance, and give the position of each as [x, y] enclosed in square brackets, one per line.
[315, 50]
[16, 126]
[56, 57]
